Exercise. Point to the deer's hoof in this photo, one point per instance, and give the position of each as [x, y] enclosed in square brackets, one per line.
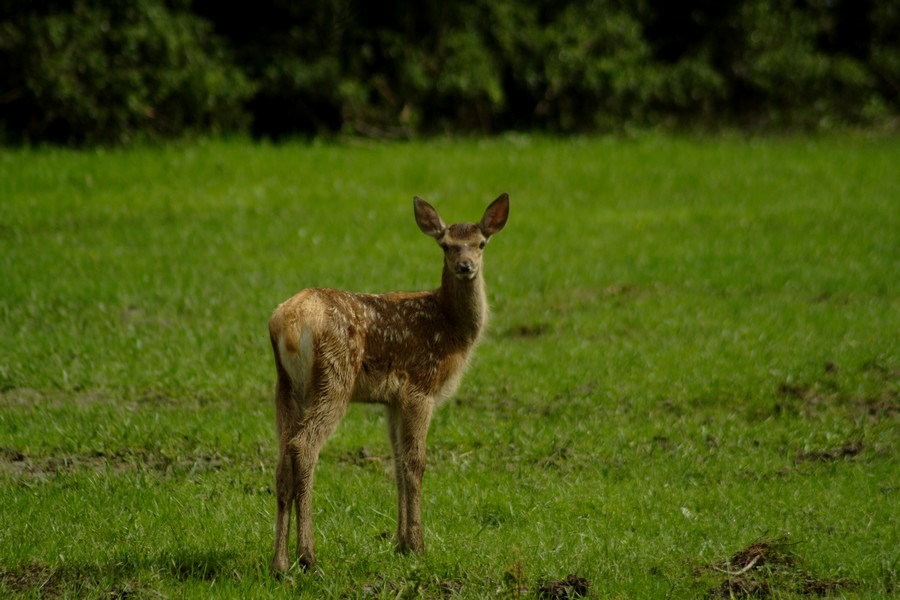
[306, 561]
[279, 567]
[404, 547]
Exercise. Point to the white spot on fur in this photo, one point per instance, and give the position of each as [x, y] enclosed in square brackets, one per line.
[299, 365]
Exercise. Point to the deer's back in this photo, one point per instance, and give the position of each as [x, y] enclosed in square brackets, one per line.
[382, 347]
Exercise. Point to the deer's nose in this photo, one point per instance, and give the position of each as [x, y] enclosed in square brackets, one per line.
[464, 268]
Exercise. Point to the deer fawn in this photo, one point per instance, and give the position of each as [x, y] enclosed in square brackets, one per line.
[405, 350]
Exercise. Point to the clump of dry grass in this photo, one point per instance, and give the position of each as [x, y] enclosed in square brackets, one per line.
[767, 568]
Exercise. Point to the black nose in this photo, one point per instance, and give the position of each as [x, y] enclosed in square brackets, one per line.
[464, 268]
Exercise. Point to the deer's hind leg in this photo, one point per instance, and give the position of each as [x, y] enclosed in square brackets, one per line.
[287, 419]
[321, 415]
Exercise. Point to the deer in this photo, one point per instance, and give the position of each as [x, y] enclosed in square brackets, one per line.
[405, 350]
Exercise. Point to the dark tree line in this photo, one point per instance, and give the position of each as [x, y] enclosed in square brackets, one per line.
[108, 71]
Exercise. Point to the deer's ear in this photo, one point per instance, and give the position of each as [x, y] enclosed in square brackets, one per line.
[495, 216]
[428, 219]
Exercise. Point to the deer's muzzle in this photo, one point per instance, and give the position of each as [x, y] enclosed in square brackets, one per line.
[465, 270]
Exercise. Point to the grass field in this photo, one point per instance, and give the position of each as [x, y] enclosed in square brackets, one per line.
[690, 386]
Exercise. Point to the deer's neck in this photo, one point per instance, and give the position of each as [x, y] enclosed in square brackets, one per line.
[465, 303]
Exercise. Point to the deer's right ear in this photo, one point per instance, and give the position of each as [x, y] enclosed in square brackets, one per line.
[428, 219]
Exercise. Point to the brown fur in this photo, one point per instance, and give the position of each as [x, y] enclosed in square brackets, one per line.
[406, 350]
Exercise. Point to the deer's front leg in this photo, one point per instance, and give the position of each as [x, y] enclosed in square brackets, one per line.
[393, 424]
[415, 419]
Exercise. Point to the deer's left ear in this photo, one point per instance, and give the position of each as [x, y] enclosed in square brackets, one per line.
[428, 219]
[495, 216]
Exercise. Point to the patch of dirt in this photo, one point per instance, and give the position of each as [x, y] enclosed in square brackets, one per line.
[824, 587]
[887, 406]
[31, 398]
[796, 391]
[111, 580]
[572, 586]
[848, 450]
[768, 568]
[807, 399]
[741, 587]
[33, 577]
[362, 457]
[19, 465]
[47, 581]
[20, 397]
[813, 399]
[757, 555]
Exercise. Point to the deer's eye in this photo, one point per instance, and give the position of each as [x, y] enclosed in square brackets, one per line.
[445, 246]
[481, 245]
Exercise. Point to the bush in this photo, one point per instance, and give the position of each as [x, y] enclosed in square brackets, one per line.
[108, 72]
[98, 70]
[883, 54]
[782, 67]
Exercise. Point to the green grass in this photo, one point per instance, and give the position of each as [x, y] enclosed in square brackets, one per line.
[694, 348]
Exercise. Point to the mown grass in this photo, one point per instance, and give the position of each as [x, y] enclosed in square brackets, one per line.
[693, 353]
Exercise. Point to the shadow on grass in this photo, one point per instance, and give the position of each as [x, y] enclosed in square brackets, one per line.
[206, 565]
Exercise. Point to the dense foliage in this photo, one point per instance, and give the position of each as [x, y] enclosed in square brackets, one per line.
[88, 71]
[103, 70]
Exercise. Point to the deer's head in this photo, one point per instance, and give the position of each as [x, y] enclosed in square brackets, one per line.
[463, 243]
